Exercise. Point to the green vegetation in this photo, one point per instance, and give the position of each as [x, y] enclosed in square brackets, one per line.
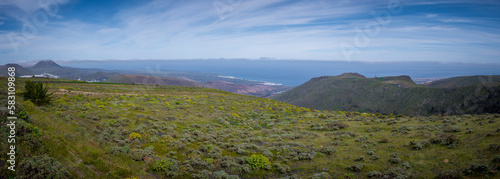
[37, 93]
[462, 81]
[392, 95]
[148, 131]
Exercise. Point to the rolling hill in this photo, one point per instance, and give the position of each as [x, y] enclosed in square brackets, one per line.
[19, 70]
[194, 79]
[251, 88]
[151, 80]
[397, 95]
[462, 81]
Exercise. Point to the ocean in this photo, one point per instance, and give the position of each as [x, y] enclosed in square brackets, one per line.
[293, 72]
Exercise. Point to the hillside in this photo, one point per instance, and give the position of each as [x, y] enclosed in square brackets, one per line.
[233, 86]
[151, 80]
[19, 69]
[462, 81]
[94, 130]
[46, 64]
[396, 95]
[195, 79]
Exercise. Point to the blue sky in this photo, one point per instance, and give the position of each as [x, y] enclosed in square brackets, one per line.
[338, 30]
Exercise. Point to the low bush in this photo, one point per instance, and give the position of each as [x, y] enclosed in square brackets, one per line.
[374, 174]
[394, 158]
[356, 168]
[445, 139]
[282, 168]
[257, 161]
[496, 159]
[322, 175]
[42, 167]
[328, 150]
[476, 169]
[396, 173]
[167, 166]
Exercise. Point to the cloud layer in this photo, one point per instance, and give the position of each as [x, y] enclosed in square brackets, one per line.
[362, 30]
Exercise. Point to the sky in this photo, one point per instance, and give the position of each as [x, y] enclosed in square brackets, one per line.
[464, 31]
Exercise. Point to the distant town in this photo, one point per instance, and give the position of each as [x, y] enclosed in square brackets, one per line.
[43, 75]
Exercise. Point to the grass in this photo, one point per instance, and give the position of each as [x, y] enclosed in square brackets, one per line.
[83, 136]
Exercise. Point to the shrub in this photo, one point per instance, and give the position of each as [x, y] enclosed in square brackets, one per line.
[328, 150]
[359, 159]
[449, 174]
[445, 139]
[406, 165]
[134, 136]
[396, 173]
[384, 140]
[290, 177]
[496, 159]
[166, 165]
[42, 167]
[29, 106]
[494, 147]
[374, 174]
[322, 175]
[282, 168]
[395, 158]
[37, 93]
[257, 161]
[356, 168]
[268, 153]
[139, 154]
[451, 129]
[476, 169]
[337, 124]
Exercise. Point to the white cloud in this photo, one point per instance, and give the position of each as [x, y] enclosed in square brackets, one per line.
[295, 30]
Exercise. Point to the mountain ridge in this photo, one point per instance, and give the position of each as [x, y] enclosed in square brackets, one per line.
[397, 95]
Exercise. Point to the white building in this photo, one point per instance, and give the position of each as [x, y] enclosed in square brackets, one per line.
[43, 75]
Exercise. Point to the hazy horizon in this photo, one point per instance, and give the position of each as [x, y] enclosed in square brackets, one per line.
[395, 30]
[293, 72]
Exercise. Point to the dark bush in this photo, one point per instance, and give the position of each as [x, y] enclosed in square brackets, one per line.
[328, 150]
[395, 158]
[445, 139]
[37, 93]
[449, 174]
[396, 173]
[42, 167]
[322, 175]
[374, 174]
[496, 159]
[476, 169]
[282, 168]
[384, 140]
[356, 168]
[494, 147]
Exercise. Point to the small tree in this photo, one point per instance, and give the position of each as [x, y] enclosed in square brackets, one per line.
[37, 93]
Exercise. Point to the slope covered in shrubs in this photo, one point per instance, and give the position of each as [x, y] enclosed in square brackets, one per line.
[139, 131]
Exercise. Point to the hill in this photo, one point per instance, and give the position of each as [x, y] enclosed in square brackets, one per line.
[151, 80]
[234, 86]
[46, 64]
[397, 95]
[19, 69]
[462, 81]
[195, 79]
[96, 130]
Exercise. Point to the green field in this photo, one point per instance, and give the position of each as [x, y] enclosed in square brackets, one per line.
[146, 131]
